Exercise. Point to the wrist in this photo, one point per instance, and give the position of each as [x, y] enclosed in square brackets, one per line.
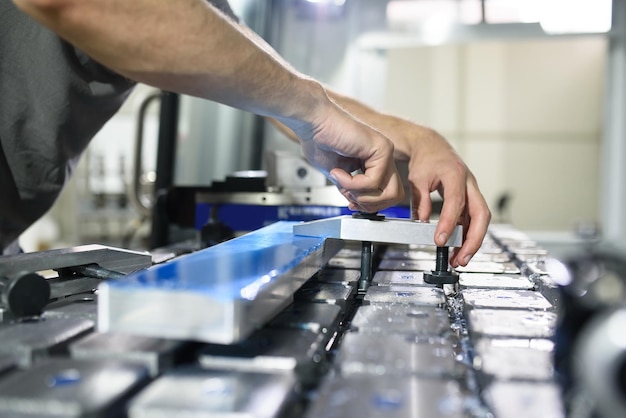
[306, 109]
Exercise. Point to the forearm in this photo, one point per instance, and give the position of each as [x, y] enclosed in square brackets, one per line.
[186, 46]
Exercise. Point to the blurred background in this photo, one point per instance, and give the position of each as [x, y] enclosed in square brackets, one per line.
[530, 93]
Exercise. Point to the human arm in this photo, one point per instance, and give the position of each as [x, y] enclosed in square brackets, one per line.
[188, 46]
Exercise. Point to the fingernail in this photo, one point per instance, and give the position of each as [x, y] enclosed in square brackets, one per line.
[466, 259]
[442, 238]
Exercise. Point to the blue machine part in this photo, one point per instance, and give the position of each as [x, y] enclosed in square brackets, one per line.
[219, 294]
[241, 217]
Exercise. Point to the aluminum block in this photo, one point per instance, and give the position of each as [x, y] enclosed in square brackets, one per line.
[341, 276]
[426, 255]
[512, 323]
[32, 340]
[345, 263]
[506, 299]
[70, 388]
[524, 399]
[407, 265]
[513, 359]
[386, 278]
[496, 281]
[330, 293]
[155, 354]
[397, 355]
[87, 309]
[407, 320]
[315, 317]
[194, 392]
[389, 230]
[366, 396]
[270, 350]
[218, 295]
[489, 267]
[405, 295]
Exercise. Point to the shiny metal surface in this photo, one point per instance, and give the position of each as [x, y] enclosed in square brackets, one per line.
[345, 263]
[69, 388]
[386, 278]
[496, 281]
[193, 392]
[124, 261]
[405, 295]
[155, 354]
[343, 276]
[366, 396]
[425, 254]
[408, 320]
[331, 293]
[397, 355]
[524, 399]
[84, 309]
[407, 265]
[315, 317]
[507, 299]
[391, 230]
[512, 323]
[505, 359]
[219, 295]
[29, 341]
[297, 352]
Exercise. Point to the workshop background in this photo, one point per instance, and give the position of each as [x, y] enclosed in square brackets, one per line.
[526, 109]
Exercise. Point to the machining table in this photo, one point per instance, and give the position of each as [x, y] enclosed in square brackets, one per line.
[481, 348]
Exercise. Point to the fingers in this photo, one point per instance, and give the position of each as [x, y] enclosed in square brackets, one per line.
[421, 205]
[478, 218]
[453, 207]
[371, 191]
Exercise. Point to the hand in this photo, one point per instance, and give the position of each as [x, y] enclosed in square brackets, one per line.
[339, 145]
[434, 165]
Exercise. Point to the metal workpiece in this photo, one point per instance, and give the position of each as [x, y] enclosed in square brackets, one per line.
[512, 323]
[73, 307]
[505, 299]
[37, 338]
[116, 259]
[155, 354]
[427, 253]
[341, 276]
[315, 317]
[217, 295]
[386, 278]
[507, 359]
[395, 354]
[366, 396]
[298, 352]
[388, 230]
[62, 388]
[495, 281]
[524, 399]
[330, 293]
[407, 265]
[407, 320]
[405, 295]
[195, 392]
[345, 263]
[488, 267]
